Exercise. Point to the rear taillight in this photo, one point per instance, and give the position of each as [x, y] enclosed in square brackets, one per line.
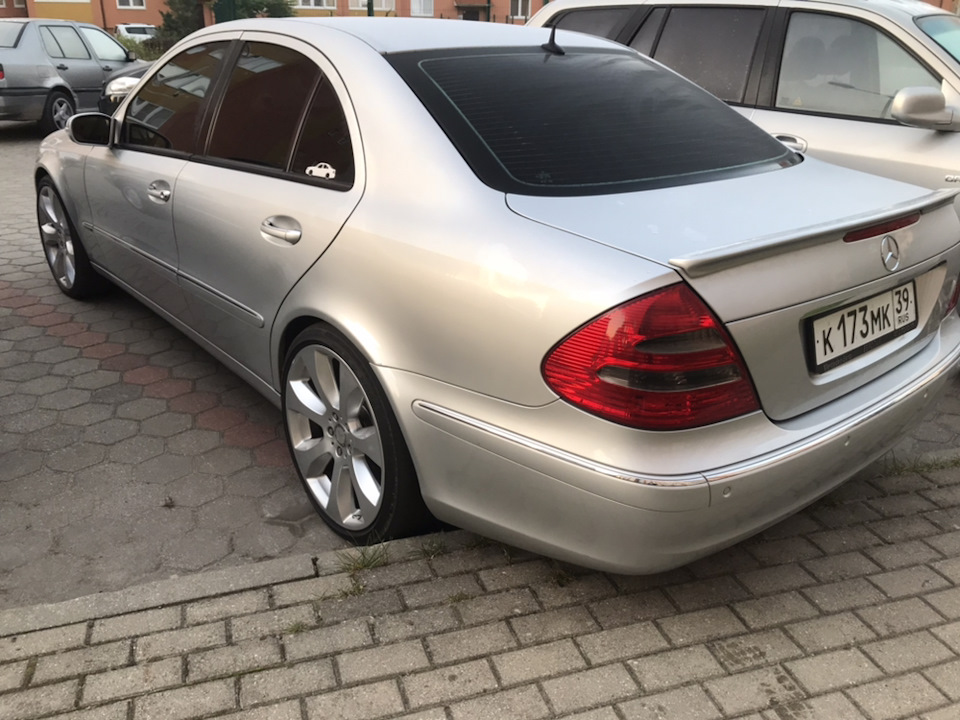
[2, 76]
[954, 297]
[660, 362]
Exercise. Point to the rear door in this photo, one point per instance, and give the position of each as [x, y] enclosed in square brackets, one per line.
[73, 61]
[276, 183]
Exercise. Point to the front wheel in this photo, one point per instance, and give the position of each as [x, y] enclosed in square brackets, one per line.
[346, 443]
[58, 109]
[62, 247]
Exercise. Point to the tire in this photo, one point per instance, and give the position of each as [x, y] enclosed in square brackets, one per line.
[62, 247]
[346, 443]
[58, 109]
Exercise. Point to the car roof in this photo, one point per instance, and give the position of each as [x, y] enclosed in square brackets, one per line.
[393, 34]
[888, 8]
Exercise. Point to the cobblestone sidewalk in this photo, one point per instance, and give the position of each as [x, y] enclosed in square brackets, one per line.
[840, 614]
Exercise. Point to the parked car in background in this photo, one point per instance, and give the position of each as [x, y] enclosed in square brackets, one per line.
[540, 286]
[870, 84]
[113, 93]
[136, 31]
[50, 69]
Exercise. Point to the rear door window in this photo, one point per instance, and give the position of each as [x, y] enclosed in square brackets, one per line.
[602, 22]
[265, 100]
[61, 41]
[712, 46]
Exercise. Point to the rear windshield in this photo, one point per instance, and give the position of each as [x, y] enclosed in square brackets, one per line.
[10, 33]
[586, 122]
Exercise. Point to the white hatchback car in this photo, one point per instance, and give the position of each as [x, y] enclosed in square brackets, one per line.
[869, 84]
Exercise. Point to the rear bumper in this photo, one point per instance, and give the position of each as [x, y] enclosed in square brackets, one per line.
[511, 486]
[26, 105]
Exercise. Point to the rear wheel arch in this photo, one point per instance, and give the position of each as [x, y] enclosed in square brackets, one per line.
[344, 437]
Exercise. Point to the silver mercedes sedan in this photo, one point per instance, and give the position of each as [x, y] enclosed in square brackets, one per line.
[531, 284]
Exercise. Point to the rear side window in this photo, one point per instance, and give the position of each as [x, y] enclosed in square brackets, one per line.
[165, 113]
[266, 97]
[10, 34]
[712, 46]
[602, 22]
[325, 150]
[63, 42]
[585, 122]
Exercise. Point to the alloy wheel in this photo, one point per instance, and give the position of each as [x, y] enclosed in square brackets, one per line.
[335, 437]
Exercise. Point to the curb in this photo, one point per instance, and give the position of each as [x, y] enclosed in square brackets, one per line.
[177, 589]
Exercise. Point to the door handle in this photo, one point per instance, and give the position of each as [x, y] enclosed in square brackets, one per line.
[159, 191]
[281, 227]
[61, 66]
[792, 141]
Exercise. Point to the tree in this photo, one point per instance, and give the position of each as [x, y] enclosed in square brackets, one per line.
[253, 8]
[184, 17]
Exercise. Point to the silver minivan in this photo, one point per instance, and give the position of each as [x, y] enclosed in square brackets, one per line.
[50, 69]
[870, 84]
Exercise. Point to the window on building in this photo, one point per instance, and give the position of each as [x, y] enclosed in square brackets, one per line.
[326, 4]
[520, 8]
[20, 3]
[421, 8]
[132, 4]
[378, 5]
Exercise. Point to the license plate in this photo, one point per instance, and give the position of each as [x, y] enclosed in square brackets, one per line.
[838, 336]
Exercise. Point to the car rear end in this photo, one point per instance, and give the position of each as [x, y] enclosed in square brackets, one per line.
[802, 316]
[22, 90]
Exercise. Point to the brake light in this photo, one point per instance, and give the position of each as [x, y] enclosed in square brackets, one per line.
[2, 76]
[660, 362]
[881, 228]
[954, 297]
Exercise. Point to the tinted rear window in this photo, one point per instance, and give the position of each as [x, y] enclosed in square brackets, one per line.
[10, 34]
[587, 122]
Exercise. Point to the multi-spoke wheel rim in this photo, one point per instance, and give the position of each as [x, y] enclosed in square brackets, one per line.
[56, 237]
[335, 439]
[61, 111]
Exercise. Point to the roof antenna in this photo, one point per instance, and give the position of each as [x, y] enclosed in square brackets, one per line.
[551, 45]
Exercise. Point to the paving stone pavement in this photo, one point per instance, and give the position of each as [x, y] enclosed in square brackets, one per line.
[127, 453]
[139, 480]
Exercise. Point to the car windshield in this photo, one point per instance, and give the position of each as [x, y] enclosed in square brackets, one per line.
[10, 33]
[585, 122]
[944, 30]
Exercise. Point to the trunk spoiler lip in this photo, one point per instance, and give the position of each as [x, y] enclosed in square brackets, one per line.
[717, 259]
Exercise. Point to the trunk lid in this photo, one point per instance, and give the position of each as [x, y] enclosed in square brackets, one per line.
[767, 254]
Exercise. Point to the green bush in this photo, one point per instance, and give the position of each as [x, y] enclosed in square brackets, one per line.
[147, 50]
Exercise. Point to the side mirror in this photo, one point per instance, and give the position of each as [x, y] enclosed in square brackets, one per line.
[131, 56]
[924, 107]
[118, 88]
[89, 129]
